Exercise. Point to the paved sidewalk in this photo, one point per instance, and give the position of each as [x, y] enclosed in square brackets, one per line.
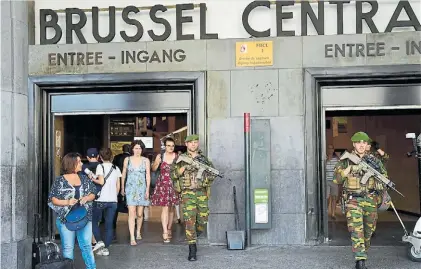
[156, 256]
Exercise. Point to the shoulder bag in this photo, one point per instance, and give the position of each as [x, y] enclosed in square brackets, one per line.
[155, 174]
[98, 186]
[77, 217]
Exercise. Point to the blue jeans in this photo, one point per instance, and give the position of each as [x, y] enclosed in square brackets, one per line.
[109, 208]
[84, 237]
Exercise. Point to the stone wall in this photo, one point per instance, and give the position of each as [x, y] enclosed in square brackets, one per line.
[274, 93]
[15, 246]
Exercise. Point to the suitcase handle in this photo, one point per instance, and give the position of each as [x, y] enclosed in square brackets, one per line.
[37, 232]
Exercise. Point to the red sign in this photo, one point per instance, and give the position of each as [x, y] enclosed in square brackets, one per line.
[246, 122]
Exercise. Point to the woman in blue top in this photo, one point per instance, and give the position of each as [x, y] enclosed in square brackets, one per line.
[66, 191]
[138, 172]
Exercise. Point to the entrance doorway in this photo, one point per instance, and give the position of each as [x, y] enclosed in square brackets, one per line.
[77, 133]
[388, 128]
[102, 94]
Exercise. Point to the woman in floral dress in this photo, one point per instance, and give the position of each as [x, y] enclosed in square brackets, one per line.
[164, 194]
[136, 190]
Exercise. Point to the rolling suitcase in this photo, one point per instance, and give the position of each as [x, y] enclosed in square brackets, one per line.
[56, 263]
[46, 255]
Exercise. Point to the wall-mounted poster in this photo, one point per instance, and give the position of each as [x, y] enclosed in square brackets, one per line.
[342, 124]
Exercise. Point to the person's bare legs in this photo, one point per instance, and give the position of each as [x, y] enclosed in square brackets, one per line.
[170, 221]
[170, 218]
[333, 206]
[329, 206]
[164, 221]
[139, 222]
[131, 221]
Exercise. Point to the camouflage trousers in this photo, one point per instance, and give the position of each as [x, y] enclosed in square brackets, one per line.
[361, 216]
[195, 212]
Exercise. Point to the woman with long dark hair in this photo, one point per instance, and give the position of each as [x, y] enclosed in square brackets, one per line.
[137, 174]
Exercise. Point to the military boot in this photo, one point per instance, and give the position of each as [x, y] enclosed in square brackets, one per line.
[192, 252]
[360, 264]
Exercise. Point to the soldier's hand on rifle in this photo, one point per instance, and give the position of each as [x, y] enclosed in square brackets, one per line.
[181, 170]
[347, 170]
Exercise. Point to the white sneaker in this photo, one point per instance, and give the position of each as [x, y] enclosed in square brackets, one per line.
[103, 252]
[98, 245]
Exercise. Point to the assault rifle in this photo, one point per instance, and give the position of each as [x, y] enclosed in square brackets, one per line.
[369, 171]
[201, 167]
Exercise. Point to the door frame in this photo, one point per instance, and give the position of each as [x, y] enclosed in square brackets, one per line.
[39, 88]
[323, 147]
[314, 80]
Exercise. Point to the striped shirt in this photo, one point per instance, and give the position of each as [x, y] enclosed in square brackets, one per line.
[330, 168]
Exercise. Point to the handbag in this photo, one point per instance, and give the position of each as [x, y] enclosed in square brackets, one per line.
[155, 174]
[77, 218]
[122, 204]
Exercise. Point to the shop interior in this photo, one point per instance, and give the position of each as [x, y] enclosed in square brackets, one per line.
[388, 128]
[77, 133]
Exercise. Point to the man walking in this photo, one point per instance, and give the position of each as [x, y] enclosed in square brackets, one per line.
[194, 192]
[119, 159]
[361, 199]
[92, 156]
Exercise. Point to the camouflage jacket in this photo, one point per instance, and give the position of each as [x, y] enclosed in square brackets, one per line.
[383, 158]
[352, 181]
[188, 180]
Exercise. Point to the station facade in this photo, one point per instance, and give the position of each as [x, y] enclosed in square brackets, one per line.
[237, 56]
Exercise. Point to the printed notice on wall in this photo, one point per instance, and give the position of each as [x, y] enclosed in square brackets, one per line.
[261, 205]
[261, 213]
[254, 53]
[58, 139]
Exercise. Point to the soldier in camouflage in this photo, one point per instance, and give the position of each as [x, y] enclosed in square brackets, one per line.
[194, 192]
[361, 199]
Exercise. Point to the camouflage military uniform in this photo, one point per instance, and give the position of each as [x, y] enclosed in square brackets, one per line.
[361, 202]
[194, 194]
[383, 158]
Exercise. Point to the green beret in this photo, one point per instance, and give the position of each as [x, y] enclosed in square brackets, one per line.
[360, 136]
[192, 137]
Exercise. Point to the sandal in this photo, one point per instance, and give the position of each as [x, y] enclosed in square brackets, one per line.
[166, 238]
[139, 236]
[169, 235]
[133, 242]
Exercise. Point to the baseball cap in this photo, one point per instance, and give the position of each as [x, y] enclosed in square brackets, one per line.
[92, 152]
